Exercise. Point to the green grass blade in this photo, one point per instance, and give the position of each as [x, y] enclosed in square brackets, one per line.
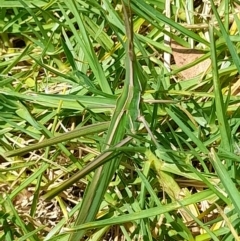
[98, 161]
[226, 37]
[18, 221]
[144, 213]
[226, 140]
[188, 132]
[84, 40]
[151, 14]
[86, 130]
[226, 180]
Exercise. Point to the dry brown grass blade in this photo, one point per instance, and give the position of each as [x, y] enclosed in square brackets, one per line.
[183, 56]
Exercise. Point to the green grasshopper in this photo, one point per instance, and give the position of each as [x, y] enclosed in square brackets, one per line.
[126, 114]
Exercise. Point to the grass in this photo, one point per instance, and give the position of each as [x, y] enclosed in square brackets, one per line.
[69, 172]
